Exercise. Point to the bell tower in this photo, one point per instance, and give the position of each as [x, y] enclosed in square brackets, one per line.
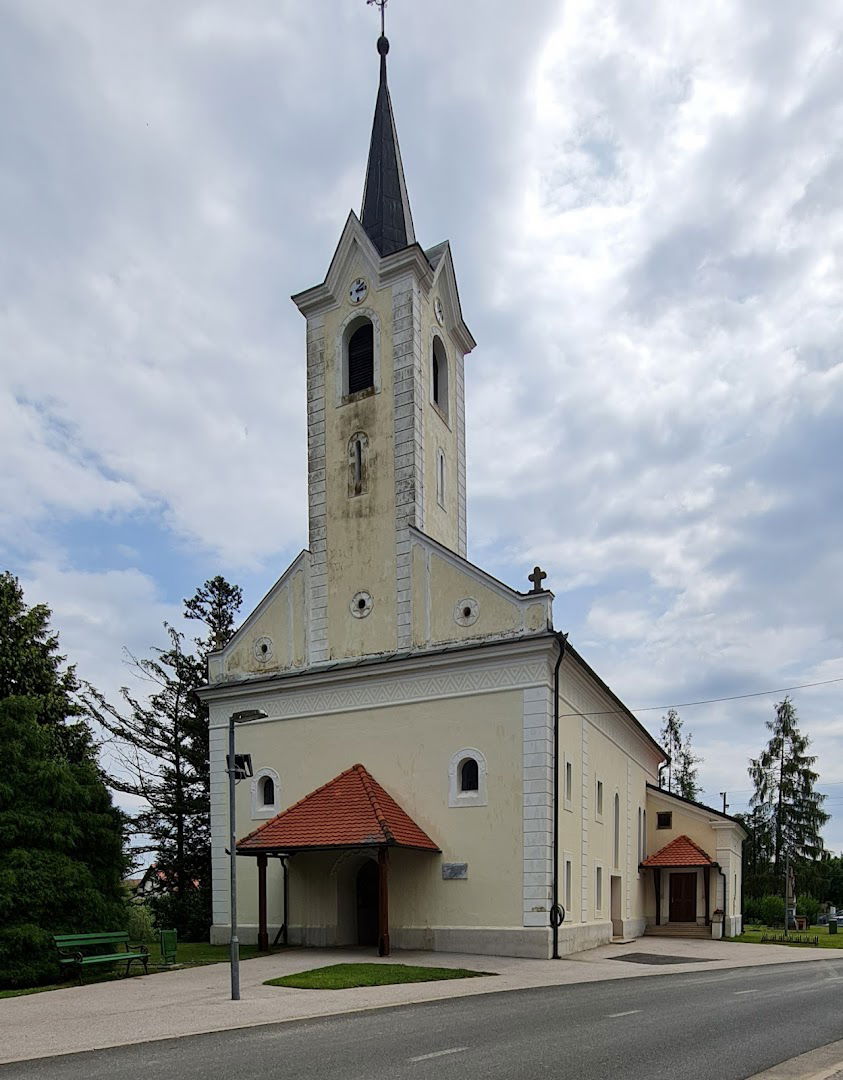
[386, 344]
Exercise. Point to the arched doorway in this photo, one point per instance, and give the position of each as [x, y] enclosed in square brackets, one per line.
[367, 903]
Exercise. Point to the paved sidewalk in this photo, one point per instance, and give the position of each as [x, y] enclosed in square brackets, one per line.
[823, 1064]
[196, 1000]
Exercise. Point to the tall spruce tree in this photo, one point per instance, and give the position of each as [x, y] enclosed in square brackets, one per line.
[682, 767]
[758, 877]
[785, 797]
[31, 666]
[162, 746]
[61, 839]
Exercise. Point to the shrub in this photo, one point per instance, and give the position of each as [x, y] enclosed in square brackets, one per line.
[139, 924]
[771, 910]
[808, 906]
[751, 909]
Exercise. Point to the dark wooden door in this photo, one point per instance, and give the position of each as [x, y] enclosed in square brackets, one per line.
[367, 903]
[683, 898]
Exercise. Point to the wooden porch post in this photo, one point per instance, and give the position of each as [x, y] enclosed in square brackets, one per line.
[263, 935]
[383, 903]
[657, 881]
[707, 882]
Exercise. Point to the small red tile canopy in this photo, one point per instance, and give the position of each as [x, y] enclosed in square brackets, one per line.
[351, 811]
[678, 853]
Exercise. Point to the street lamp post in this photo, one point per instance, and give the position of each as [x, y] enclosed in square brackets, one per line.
[242, 717]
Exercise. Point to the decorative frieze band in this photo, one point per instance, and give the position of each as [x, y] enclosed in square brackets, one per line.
[380, 691]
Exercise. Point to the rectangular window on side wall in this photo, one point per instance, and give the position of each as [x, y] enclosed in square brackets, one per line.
[569, 870]
[598, 889]
[598, 802]
[569, 785]
[664, 819]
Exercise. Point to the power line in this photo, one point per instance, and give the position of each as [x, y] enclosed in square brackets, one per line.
[707, 701]
[750, 791]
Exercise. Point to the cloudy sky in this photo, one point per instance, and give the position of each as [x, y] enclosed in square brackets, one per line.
[643, 200]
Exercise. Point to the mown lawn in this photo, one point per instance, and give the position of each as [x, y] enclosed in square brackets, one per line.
[827, 941]
[188, 954]
[346, 976]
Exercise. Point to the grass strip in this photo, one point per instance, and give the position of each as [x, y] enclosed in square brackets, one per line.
[752, 935]
[346, 976]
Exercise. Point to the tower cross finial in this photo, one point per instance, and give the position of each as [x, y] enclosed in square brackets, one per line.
[382, 5]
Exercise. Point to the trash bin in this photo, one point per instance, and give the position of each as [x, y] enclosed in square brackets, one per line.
[168, 947]
[832, 926]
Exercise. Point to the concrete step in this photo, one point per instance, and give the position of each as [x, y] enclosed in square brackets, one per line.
[679, 930]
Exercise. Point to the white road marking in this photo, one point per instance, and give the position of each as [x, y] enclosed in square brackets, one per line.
[439, 1053]
[631, 1012]
[746, 991]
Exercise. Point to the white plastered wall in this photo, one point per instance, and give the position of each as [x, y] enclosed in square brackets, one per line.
[501, 709]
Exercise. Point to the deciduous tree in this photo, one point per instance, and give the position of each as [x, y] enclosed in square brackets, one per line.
[682, 769]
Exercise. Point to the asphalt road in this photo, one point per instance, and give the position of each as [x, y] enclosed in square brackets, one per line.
[723, 1025]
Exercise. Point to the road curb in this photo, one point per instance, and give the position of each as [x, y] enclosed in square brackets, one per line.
[826, 1063]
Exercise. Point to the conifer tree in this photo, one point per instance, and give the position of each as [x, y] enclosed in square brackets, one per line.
[31, 666]
[61, 839]
[785, 797]
[162, 745]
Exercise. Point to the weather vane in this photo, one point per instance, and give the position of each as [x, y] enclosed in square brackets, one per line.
[382, 5]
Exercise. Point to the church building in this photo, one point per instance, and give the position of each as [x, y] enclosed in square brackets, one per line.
[437, 767]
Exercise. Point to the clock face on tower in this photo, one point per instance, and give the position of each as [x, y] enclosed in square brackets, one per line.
[439, 311]
[358, 290]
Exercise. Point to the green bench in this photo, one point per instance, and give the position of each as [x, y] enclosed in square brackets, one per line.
[74, 950]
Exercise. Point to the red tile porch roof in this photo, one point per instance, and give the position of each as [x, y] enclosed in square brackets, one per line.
[352, 810]
[679, 852]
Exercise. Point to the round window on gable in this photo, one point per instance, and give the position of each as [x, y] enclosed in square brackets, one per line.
[466, 611]
[361, 604]
[263, 650]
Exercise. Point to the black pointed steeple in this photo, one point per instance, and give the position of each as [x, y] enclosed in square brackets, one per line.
[386, 213]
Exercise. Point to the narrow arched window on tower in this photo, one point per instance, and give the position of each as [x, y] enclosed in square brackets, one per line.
[268, 791]
[440, 478]
[360, 357]
[439, 376]
[358, 464]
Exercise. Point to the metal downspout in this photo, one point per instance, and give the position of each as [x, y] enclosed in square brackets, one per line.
[555, 910]
[725, 905]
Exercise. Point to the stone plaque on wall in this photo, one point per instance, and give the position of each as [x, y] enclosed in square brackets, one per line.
[455, 871]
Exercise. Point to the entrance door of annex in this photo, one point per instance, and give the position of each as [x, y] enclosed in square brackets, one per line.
[367, 903]
[683, 898]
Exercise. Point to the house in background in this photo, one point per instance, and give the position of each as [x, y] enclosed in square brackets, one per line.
[438, 767]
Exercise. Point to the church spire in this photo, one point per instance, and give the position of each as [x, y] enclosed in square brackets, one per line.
[386, 213]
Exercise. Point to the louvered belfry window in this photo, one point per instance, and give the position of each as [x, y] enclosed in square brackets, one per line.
[361, 358]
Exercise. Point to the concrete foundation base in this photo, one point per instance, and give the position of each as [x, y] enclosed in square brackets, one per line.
[633, 928]
[531, 942]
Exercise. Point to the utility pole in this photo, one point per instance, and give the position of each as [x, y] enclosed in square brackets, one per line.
[786, 891]
[725, 804]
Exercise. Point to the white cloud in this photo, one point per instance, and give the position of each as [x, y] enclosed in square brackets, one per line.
[644, 206]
